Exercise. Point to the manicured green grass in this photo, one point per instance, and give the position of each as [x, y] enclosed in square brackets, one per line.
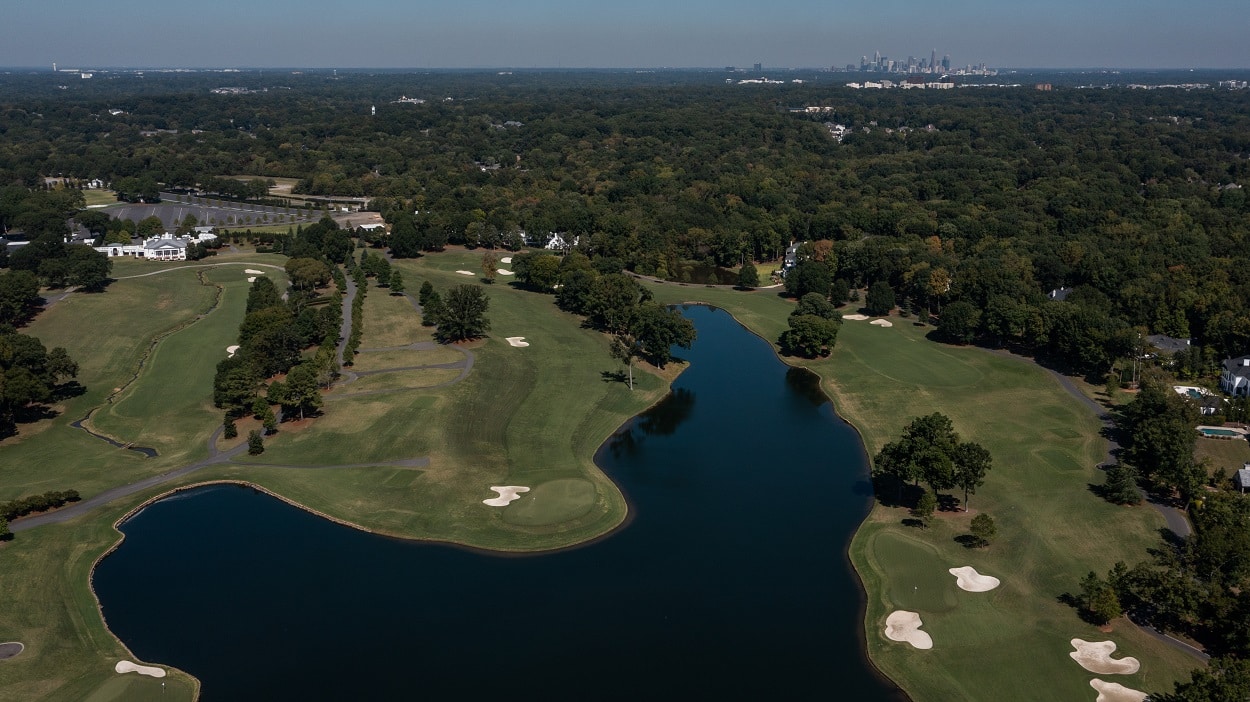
[1011, 643]
[915, 574]
[167, 407]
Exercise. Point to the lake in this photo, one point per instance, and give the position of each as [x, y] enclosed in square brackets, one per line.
[730, 580]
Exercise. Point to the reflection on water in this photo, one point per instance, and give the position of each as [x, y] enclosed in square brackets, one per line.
[806, 384]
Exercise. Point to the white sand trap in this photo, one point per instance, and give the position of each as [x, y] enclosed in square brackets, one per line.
[1115, 692]
[503, 272]
[231, 349]
[882, 322]
[506, 259]
[855, 317]
[128, 667]
[249, 271]
[905, 626]
[507, 493]
[1095, 656]
[518, 341]
[251, 279]
[465, 272]
[967, 578]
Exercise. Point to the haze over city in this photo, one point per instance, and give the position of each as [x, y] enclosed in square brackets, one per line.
[646, 33]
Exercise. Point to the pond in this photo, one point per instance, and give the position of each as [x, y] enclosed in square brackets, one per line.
[730, 581]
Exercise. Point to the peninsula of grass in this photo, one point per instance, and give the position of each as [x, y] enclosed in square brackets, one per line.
[1011, 643]
[529, 416]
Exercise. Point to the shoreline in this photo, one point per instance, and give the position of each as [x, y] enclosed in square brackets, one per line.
[628, 514]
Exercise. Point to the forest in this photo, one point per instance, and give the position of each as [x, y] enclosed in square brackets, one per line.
[974, 202]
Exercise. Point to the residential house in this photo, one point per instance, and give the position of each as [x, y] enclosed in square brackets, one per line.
[1059, 294]
[1242, 478]
[1167, 344]
[791, 260]
[1235, 378]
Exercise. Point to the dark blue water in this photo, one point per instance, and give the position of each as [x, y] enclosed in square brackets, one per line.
[730, 582]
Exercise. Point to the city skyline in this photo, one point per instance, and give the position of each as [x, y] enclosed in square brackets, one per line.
[644, 34]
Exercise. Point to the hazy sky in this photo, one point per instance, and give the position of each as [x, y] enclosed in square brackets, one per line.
[641, 33]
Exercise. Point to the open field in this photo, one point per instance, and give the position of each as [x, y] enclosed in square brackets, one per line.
[97, 197]
[1224, 455]
[1010, 643]
[391, 320]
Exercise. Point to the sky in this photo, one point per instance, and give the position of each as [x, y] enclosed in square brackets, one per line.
[636, 34]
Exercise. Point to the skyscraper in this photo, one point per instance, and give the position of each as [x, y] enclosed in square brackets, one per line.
[933, 61]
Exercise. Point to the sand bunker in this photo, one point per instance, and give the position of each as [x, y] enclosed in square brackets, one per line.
[229, 350]
[882, 323]
[518, 341]
[128, 667]
[251, 279]
[855, 317]
[507, 493]
[249, 271]
[1115, 692]
[9, 649]
[905, 626]
[465, 272]
[506, 259]
[1095, 656]
[967, 578]
[503, 272]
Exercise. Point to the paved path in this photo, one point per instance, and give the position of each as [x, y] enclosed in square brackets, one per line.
[1175, 518]
[345, 331]
[77, 509]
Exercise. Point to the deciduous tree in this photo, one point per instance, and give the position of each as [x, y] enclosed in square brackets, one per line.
[463, 314]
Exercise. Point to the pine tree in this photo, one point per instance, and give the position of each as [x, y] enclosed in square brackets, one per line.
[255, 443]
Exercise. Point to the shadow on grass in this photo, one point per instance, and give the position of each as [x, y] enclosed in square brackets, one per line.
[894, 493]
[969, 541]
[618, 376]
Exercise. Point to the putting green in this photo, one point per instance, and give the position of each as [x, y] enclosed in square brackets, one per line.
[552, 502]
[134, 687]
[917, 577]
